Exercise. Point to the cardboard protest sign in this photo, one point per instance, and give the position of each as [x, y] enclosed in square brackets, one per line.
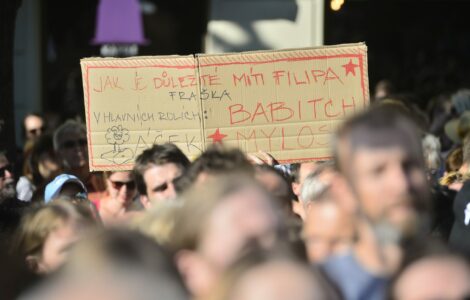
[286, 103]
[129, 106]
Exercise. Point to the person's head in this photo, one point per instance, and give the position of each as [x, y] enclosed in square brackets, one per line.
[34, 126]
[47, 233]
[7, 182]
[64, 185]
[454, 160]
[379, 153]
[460, 101]
[316, 183]
[328, 230]
[120, 248]
[42, 162]
[262, 274]
[453, 178]
[444, 276]
[70, 144]
[121, 187]
[114, 264]
[155, 170]
[432, 152]
[217, 160]
[277, 185]
[326, 183]
[157, 222]
[299, 173]
[215, 223]
[383, 88]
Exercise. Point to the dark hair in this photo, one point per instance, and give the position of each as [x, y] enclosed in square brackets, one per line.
[42, 145]
[284, 200]
[156, 156]
[379, 128]
[216, 160]
[295, 172]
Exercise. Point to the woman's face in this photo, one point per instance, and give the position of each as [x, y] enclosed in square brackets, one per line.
[121, 187]
[48, 166]
[57, 246]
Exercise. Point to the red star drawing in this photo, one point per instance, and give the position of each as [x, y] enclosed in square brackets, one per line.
[350, 68]
[217, 137]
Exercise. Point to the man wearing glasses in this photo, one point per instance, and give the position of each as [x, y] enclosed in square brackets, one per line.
[70, 144]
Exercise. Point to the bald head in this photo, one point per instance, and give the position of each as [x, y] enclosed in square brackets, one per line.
[329, 229]
[279, 280]
[439, 277]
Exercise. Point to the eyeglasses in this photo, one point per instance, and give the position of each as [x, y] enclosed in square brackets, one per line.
[35, 131]
[72, 144]
[4, 169]
[130, 185]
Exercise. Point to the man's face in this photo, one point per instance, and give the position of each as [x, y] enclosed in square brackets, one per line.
[56, 247]
[159, 181]
[242, 217]
[34, 127]
[328, 230]
[388, 184]
[7, 183]
[73, 150]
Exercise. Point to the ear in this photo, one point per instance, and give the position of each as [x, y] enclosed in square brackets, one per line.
[196, 272]
[35, 264]
[146, 203]
[296, 188]
[298, 209]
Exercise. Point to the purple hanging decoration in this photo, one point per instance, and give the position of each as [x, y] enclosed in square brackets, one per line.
[119, 22]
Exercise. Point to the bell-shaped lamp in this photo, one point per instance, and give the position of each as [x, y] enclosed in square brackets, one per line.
[119, 22]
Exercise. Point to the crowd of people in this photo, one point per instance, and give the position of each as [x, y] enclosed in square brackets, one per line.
[388, 217]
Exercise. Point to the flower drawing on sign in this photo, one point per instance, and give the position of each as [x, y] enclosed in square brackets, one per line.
[118, 136]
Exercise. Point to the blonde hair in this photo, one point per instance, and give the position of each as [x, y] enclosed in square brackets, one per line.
[158, 222]
[199, 203]
[37, 224]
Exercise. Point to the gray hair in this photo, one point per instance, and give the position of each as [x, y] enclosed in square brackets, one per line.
[70, 126]
[313, 187]
[431, 151]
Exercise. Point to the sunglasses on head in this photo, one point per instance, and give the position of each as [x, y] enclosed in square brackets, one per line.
[37, 130]
[4, 169]
[72, 144]
[130, 185]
